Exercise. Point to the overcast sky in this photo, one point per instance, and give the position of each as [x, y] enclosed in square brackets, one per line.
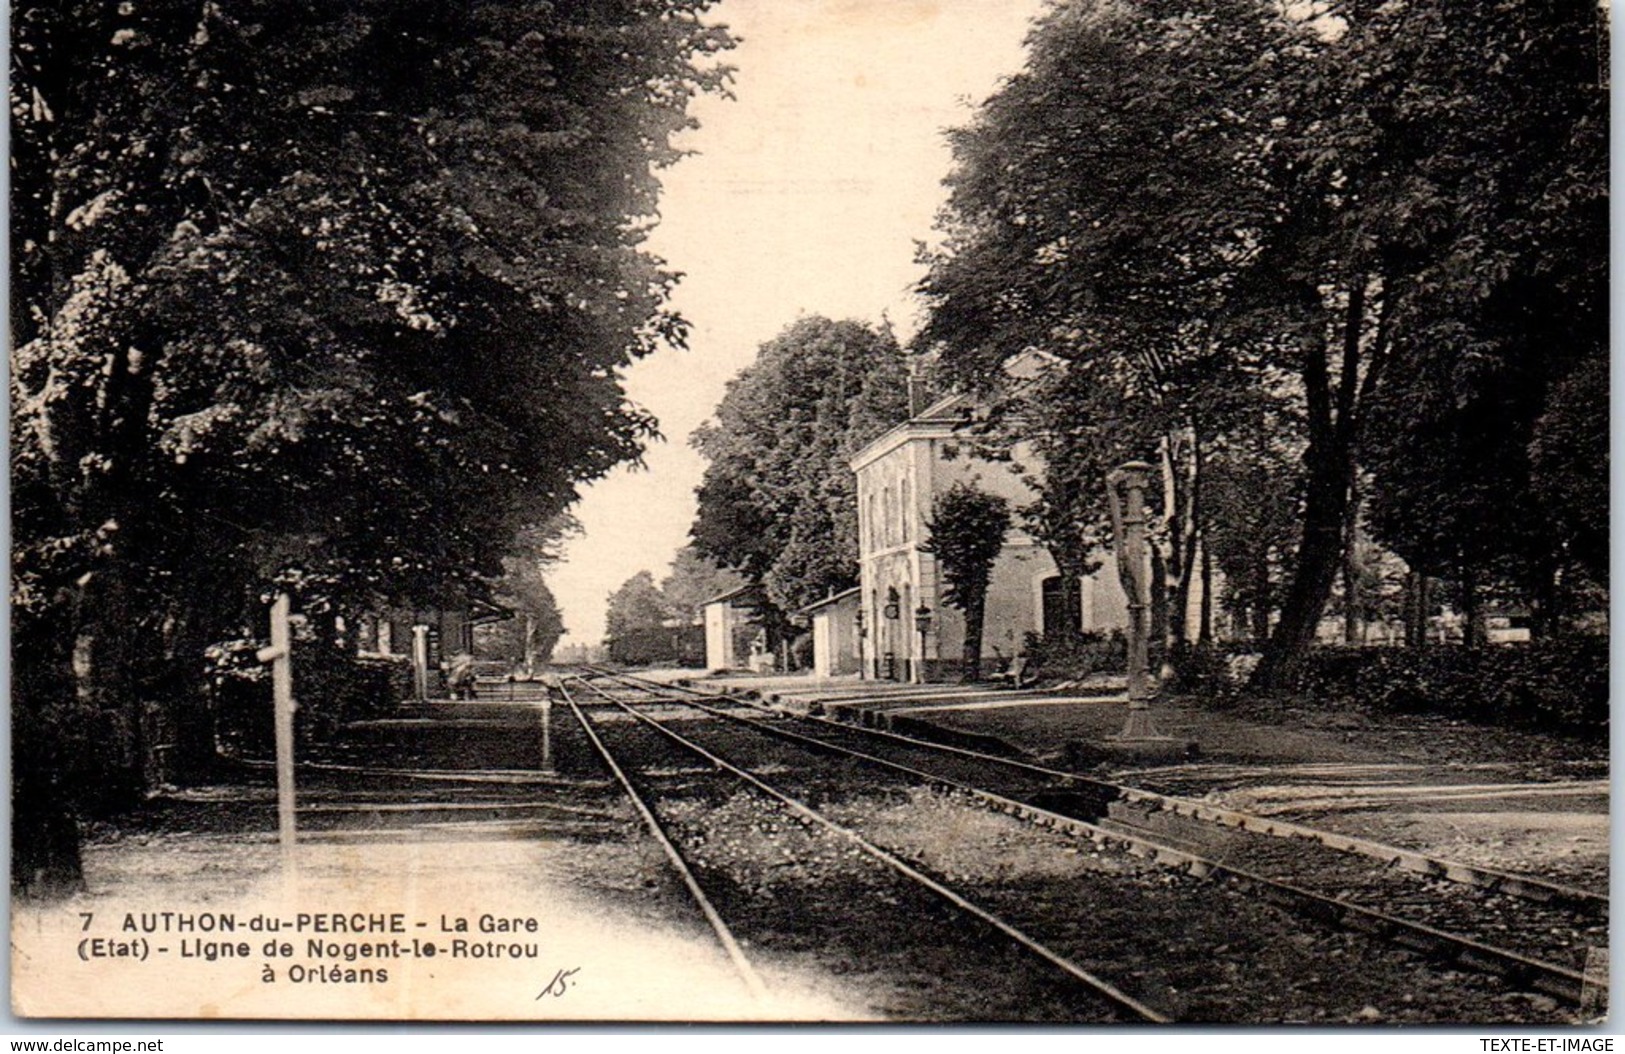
[807, 196]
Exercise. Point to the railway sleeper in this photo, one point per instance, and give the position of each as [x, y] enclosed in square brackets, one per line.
[1337, 914]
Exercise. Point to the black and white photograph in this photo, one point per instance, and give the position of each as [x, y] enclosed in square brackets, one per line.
[1064, 513]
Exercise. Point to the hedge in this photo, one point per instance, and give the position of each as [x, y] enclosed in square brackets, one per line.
[1557, 686]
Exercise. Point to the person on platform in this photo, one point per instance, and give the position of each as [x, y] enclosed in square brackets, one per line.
[460, 676]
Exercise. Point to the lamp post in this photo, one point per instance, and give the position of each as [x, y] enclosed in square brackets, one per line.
[1125, 495]
[862, 632]
[922, 623]
[892, 611]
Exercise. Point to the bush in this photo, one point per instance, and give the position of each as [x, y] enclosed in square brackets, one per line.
[801, 651]
[659, 646]
[329, 687]
[1070, 654]
[1202, 669]
[1555, 686]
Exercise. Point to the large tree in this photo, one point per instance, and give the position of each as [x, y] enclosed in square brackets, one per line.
[331, 297]
[535, 623]
[1444, 185]
[1504, 347]
[1296, 205]
[637, 604]
[778, 500]
[1101, 205]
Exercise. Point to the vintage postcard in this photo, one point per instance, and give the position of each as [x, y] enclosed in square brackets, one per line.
[1074, 512]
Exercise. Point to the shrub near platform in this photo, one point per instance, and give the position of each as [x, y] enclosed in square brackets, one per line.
[1554, 686]
[1076, 655]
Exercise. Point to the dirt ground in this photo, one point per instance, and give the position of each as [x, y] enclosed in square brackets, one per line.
[606, 906]
[1510, 799]
[635, 953]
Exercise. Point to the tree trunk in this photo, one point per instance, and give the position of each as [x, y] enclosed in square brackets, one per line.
[1351, 600]
[1261, 599]
[104, 687]
[1205, 633]
[1181, 483]
[1472, 605]
[1158, 633]
[1414, 620]
[1547, 615]
[1424, 602]
[530, 644]
[974, 611]
[189, 700]
[45, 858]
[1320, 554]
[1332, 420]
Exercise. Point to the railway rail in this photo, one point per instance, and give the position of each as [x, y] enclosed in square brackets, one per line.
[1529, 887]
[1461, 916]
[1118, 1004]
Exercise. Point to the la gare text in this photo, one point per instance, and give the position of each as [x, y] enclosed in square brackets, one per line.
[316, 922]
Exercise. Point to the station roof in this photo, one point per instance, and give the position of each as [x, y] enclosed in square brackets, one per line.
[749, 589]
[828, 601]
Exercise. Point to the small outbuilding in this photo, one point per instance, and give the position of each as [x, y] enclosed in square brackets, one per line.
[727, 620]
[835, 634]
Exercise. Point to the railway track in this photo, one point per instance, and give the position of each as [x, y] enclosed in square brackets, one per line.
[673, 796]
[1529, 887]
[1081, 921]
[1533, 934]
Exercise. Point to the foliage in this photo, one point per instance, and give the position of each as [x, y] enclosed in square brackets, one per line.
[527, 637]
[1367, 231]
[1073, 655]
[637, 605]
[1249, 516]
[659, 645]
[1102, 203]
[1509, 334]
[801, 651]
[530, 635]
[966, 533]
[693, 581]
[1547, 686]
[778, 500]
[647, 623]
[331, 293]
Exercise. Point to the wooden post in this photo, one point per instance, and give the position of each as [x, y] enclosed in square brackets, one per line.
[547, 732]
[280, 656]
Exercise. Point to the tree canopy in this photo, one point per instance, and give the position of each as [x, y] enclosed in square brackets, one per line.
[637, 604]
[528, 637]
[778, 500]
[694, 580]
[328, 297]
[1273, 246]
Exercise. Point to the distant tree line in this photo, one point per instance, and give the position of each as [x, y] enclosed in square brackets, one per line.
[534, 624]
[324, 298]
[1339, 268]
[650, 624]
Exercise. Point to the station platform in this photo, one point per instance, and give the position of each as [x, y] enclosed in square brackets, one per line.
[1493, 797]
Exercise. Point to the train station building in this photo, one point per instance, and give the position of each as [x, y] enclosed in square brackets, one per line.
[906, 631]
